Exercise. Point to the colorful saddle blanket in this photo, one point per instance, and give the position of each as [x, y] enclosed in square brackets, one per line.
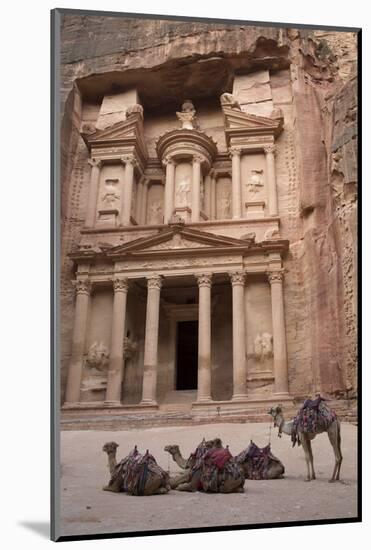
[256, 460]
[134, 471]
[314, 417]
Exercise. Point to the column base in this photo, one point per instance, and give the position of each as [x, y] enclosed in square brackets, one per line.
[239, 397]
[204, 400]
[71, 405]
[282, 395]
[148, 403]
[112, 403]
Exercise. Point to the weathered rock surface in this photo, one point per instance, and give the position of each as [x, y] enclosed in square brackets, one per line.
[312, 79]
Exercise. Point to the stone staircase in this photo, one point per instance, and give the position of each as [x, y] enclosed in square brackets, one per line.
[179, 414]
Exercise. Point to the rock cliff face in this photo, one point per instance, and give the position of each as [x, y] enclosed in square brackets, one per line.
[312, 78]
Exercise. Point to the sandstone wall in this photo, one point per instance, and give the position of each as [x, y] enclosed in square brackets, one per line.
[311, 77]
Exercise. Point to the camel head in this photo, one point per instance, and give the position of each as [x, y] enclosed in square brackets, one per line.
[172, 449]
[110, 448]
[274, 412]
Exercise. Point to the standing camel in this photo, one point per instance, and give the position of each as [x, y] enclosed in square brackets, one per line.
[303, 435]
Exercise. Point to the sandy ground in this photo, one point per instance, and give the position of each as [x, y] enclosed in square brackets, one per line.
[86, 509]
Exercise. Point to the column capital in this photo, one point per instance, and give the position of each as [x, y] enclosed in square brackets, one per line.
[235, 151]
[238, 278]
[95, 163]
[213, 173]
[154, 282]
[82, 286]
[128, 159]
[275, 276]
[197, 158]
[120, 285]
[270, 149]
[204, 279]
[168, 160]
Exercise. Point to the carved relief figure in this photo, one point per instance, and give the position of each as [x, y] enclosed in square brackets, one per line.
[225, 206]
[98, 356]
[228, 100]
[111, 194]
[155, 212]
[255, 181]
[187, 115]
[183, 191]
[263, 346]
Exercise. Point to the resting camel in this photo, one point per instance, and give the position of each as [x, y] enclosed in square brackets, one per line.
[135, 474]
[294, 429]
[210, 468]
[273, 467]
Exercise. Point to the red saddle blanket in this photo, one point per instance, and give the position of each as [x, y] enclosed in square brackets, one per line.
[217, 457]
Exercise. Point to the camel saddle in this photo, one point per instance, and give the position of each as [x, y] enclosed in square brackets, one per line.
[313, 417]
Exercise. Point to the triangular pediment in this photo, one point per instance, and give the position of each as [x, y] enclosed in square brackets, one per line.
[173, 240]
[124, 132]
[239, 121]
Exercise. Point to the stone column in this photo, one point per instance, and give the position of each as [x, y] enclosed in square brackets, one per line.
[236, 182]
[154, 284]
[143, 215]
[271, 180]
[204, 337]
[207, 198]
[196, 174]
[281, 383]
[91, 211]
[74, 377]
[116, 364]
[213, 195]
[125, 215]
[169, 188]
[139, 200]
[239, 357]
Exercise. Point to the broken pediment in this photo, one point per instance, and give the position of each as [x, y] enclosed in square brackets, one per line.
[239, 123]
[123, 133]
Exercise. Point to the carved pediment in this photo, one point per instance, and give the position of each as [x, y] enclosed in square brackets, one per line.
[126, 132]
[175, 240]
[241, 123]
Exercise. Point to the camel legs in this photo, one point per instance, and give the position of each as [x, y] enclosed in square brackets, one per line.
[335, 440]
[307, 448]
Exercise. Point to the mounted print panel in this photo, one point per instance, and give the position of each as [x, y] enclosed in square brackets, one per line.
[207, 325]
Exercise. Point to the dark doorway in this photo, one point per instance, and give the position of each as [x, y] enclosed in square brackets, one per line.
[187, 355]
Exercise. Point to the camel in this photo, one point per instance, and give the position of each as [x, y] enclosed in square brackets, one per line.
[304, 438]
[273, 467]
[135, 474]
[210, 468]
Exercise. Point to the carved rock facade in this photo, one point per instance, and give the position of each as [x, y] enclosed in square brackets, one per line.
[234, 210]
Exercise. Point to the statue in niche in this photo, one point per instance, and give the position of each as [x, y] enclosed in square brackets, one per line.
[256, 181]
[182, 192]
[111, 194]
[98, 356]
[228, 100]
[187, 115]
[263, 347]
[155, 212]
[225, 206]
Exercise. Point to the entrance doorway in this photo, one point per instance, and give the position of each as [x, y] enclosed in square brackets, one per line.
[187, 355]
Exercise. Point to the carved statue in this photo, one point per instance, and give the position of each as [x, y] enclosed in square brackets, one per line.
[134, 109]
[263, 346]
[272, 234]
[111, 195]
[255, 181]
[155, 212]
[225, 206]
[182, 192]
[228, 100]
[187, 115]
[98, 356]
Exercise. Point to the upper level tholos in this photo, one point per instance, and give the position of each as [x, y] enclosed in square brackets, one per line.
[210, 164]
